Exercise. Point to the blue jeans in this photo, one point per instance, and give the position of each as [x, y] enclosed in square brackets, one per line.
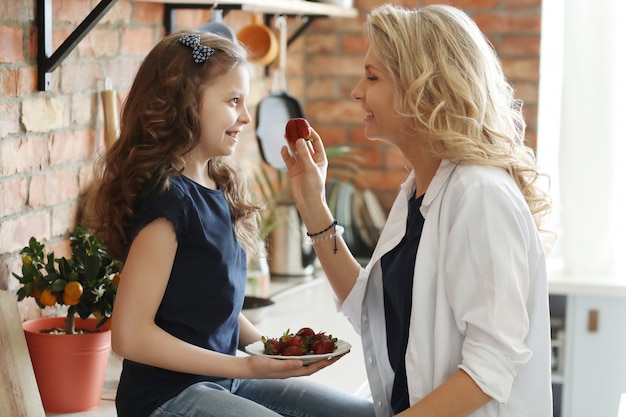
[294, 397]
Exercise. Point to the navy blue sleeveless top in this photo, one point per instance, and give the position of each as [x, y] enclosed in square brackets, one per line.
[398, 267]
[204, 294]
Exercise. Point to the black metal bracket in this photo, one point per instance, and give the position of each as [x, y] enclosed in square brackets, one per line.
[47, 61]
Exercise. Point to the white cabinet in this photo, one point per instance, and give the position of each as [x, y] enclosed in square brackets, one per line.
[591, 371]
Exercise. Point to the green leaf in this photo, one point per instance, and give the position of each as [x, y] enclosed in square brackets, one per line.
[92, 267]
[21, 294]
[58, 285]
[28, 288]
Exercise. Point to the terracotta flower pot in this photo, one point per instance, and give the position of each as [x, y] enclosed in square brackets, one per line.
[69, 369]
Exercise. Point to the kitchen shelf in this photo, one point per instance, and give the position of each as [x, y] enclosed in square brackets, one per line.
[284, 7]
[48, 61]
[308, 9]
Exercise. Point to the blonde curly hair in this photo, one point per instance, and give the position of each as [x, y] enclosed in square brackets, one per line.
[451, 88]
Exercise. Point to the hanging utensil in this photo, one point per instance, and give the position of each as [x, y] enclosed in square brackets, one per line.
[259, 40]
[274, 111]
[217, 26]
[111, 114]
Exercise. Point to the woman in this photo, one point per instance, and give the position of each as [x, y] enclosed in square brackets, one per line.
[453, 305]
[169, 202]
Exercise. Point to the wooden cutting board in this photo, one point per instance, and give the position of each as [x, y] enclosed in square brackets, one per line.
[19, 395]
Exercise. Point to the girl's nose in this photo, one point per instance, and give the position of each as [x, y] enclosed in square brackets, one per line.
[245, 115]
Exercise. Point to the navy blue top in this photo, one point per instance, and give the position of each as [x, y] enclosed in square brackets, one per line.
[398, 267]
[204, 294]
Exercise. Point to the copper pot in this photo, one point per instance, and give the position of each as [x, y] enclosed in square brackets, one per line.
[260, 41]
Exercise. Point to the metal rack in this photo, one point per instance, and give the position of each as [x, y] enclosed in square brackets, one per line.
[48, 61]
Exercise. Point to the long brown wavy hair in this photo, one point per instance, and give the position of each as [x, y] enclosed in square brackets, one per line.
[159, 125]
[450, 87]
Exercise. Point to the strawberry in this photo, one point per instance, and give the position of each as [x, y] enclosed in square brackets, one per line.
[307, 334]
[304, 342]
[321, 336]
[271, 346]
[285, 336]
[297, 128]
[323, 344]
[297, 341]
[305, 331]
[292, 351]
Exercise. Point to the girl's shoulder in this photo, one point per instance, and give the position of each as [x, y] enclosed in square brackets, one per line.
[174, 192]
[172, 203]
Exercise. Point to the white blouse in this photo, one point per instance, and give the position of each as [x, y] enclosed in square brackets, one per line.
[480, 295]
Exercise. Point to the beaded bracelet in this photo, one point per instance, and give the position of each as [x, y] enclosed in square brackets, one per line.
[333, 224]
[337, 231]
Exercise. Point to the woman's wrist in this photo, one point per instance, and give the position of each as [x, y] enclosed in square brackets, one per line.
[316, 221]
[331, 232]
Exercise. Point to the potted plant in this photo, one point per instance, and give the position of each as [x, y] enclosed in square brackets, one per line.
[85, 285]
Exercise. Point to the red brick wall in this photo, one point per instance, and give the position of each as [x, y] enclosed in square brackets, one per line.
[49, 140]
[332, 62]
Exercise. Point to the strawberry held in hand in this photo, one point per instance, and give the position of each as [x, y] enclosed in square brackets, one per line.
[297, 128]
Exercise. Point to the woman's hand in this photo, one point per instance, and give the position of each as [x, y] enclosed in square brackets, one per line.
[307, 165]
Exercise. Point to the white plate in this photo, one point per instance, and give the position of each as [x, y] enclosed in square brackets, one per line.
[257, 348]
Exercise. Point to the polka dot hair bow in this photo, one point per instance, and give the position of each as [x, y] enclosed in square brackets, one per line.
[200, 53]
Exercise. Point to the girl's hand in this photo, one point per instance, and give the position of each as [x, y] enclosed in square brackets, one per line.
[267, 368]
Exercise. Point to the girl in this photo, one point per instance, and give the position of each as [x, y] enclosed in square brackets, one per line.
[169, 203]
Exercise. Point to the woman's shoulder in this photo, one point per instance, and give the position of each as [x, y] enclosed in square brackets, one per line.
[484, 182]
[482, 175]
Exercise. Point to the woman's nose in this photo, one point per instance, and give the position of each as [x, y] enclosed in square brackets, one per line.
[356, 93]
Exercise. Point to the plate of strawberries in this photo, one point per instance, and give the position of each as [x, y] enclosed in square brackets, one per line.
[306, 344]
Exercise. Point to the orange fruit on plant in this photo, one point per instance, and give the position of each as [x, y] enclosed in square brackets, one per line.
[69, 301]
[47, 298]
[73, 290]
[107, 324]
[116, 279]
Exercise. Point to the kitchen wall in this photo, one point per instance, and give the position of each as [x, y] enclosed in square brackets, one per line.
[49, 140]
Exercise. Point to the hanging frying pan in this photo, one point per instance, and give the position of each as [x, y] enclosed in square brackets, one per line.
[275, 110]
